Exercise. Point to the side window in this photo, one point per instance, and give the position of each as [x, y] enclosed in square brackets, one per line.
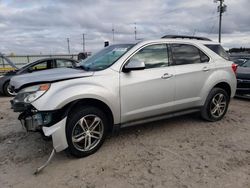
[187, 54]
[63, 63]
[204, 57]
[219, 50]
[41, 66]
[153, 56]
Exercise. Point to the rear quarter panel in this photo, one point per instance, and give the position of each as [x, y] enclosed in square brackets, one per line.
[222, 73]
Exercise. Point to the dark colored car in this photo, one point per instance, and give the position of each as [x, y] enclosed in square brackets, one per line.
[239, 59]
[40, 65]
[243, 78]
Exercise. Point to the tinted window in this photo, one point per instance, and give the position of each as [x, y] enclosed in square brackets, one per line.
[60, 63]
[219, 50]
[204, 57]
[187, 54]
[153, 56]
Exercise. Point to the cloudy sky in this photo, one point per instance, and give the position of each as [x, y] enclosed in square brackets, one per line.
[34, 27]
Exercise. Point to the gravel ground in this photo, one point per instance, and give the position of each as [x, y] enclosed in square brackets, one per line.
[180, 152]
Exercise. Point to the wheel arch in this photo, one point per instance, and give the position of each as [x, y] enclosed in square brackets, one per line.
[70, 107]
[225, 86]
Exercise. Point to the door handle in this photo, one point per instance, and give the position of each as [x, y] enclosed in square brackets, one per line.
[166, 76]
[205, 69]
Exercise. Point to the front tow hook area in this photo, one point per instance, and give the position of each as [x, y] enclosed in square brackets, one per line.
[38, 170]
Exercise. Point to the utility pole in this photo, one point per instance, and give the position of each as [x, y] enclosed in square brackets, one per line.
[113, 33]
[68, 45]
[135, 31]
[221, 9]
[83, 42]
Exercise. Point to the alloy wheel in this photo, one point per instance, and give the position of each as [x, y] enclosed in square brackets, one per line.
[87, 132]
[218, 105]
[10, 91]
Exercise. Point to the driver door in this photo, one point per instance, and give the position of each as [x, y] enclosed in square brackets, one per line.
[149, 92]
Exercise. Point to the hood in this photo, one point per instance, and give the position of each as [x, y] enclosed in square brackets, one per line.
[8, 61]
[48, 76]
[243, 72]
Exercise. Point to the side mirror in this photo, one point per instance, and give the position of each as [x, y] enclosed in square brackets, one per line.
[134, 65]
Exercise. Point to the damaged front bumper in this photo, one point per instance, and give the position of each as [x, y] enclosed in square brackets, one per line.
[50, 123]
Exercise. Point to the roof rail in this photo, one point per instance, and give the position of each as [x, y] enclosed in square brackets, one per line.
[185, 37]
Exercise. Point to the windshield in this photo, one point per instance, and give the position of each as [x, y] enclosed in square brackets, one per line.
[219, 50]
[105, 58]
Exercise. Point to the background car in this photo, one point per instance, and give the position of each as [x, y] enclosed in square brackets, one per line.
[239, 59]
[243, 79]
[40, 65]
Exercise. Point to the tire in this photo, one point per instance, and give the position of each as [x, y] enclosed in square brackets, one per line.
[216, 105]
[84, 140]
[7, 91]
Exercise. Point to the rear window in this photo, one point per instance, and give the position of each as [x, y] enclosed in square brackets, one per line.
[246, 64]
[219, 50]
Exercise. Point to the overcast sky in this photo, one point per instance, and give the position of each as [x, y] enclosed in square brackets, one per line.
[34, 27]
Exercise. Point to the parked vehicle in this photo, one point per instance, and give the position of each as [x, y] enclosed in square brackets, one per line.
[243, 78]
[40, 65]
[239, 58]
[124, 85]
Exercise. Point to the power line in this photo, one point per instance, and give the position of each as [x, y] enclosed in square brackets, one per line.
[212, 27]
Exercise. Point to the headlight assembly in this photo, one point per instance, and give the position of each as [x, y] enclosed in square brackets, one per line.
[32, 93]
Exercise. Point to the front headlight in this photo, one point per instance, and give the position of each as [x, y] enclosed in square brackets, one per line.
[32, 93]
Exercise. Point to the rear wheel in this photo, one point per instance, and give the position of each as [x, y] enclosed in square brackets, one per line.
[216, 105]
[86, 131]
[7, 90]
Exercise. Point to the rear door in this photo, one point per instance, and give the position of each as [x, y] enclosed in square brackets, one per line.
[192, 68]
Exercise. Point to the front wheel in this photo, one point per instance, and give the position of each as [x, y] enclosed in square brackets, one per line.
[7, 90]
[86, 131]
[216, 105]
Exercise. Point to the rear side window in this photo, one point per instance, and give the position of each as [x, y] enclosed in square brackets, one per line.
[219, 50]
[187, 54]
[63, 63]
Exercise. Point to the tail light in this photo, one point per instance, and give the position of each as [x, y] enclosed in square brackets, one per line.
[234, 67]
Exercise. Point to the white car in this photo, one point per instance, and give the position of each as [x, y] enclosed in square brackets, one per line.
[124, 85]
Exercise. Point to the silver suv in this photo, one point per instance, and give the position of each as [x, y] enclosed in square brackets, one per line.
[124, 85]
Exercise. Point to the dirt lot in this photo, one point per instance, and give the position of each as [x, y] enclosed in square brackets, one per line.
[180, 152]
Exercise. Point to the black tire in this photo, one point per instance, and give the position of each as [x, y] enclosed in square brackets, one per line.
[6, 90]
[87, 112]
[209, 106]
